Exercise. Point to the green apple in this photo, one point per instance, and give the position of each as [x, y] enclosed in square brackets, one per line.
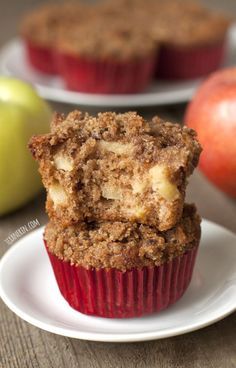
[22, 114]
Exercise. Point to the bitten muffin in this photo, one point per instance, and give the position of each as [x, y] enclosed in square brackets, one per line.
[191, 35]
[117, 269]
[115, 167]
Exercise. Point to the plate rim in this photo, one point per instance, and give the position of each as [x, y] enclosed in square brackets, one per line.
[105, 337]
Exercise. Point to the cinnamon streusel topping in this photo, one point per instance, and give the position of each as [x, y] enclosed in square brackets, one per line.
[122, 245]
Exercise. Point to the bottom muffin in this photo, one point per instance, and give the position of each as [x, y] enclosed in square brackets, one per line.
[118, 270]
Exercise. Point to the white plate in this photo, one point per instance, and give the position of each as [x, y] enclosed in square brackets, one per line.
[28, 288]
[13, 62]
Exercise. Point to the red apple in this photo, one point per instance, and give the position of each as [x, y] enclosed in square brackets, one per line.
[212, 113]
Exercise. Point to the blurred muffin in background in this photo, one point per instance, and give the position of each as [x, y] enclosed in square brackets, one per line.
[39, 31]
[192, 39]
[107, 57]
[119, 46]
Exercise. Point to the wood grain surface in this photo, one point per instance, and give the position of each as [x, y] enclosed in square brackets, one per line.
[25, 346]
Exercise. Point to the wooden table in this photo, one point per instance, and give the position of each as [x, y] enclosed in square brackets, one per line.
[25, 346]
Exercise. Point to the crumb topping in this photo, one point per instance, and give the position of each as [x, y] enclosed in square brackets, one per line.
[119, 40]
[124, 28]
[184, 23]
[122, 245]
[42, 25]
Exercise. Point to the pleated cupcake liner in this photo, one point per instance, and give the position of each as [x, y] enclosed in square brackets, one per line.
[106, 76]
[41, 58]
[115, 294]
[175, 62]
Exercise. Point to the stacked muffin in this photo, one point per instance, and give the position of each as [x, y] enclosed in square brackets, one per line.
[121, 240]
[120, 46]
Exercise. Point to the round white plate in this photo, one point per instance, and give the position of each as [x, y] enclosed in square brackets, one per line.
[13, 62]
[28, 288]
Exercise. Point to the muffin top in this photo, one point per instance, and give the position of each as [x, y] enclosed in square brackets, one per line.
[42, 24]
[123, 28]
[106, 37]
[187, 23]
[122, 245]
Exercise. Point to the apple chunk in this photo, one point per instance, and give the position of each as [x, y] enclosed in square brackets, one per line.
[57, 194]
[63, 162]
[117, 147]
[161, 183]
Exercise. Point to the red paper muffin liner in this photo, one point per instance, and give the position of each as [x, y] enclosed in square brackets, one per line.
[186, 63]
[107, 76]
[116, 294]
[41, 58]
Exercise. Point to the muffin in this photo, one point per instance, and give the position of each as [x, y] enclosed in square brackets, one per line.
[106, 56]
[192, 40]
[119, 47]
[39, 31]
[120, 239]
[123, 269]
[115, 167]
